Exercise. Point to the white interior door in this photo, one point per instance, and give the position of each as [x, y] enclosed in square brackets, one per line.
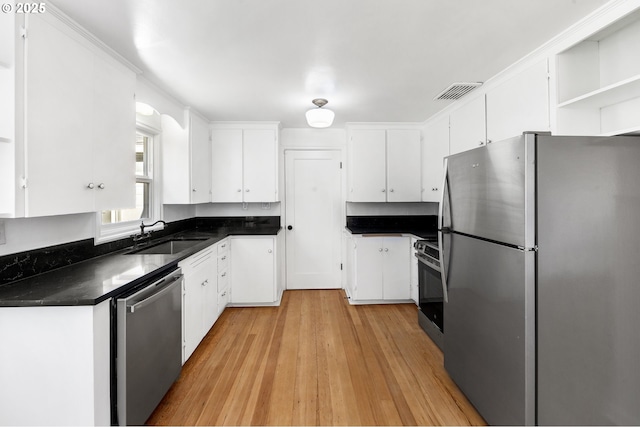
[313, 212]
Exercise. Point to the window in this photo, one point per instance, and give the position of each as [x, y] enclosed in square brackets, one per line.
[120, 223]
[144, 182]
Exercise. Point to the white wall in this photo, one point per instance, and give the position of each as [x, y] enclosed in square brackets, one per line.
[238, 209]
[369, 209]
[24, 234]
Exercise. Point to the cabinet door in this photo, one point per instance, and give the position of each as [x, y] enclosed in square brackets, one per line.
[396, 268]
[367, 166]
[368, 268]
[403, 165]
[467, 126]
[200, 160]
[226, 165]
[414, 273]
[114, 130]
[260, 159]
[192, 310]
[59, 96]
[209, 299]
[252, 270]
[520, 104]
[435, 149]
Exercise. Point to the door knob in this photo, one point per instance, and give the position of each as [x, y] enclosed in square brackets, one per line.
[290, 228]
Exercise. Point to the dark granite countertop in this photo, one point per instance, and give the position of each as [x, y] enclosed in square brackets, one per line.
[423, 226]
[97, 279]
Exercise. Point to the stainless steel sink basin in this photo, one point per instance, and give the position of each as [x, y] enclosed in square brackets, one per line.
[168, 247]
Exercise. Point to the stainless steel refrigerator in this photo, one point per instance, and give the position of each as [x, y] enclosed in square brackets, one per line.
[540, 242]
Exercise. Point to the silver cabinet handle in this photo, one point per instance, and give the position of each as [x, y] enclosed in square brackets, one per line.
[269, 251]
[223, 258]
[101, 186]
[391, 190]
[194, 190]
[223, 274]
[380, 250]
[384, 190]
[386, 249]
[247, 190]
[223, 246]
[239, 190]
[90, 186]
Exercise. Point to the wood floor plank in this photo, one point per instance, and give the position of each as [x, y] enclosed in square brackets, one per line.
[316, 360]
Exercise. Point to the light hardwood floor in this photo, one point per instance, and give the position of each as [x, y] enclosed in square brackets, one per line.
[316, 360]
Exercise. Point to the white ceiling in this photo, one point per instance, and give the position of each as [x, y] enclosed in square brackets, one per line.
[374, 60]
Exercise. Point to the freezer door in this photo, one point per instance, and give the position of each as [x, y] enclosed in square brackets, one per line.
[589, 281]
[491, 191]
[489, 343]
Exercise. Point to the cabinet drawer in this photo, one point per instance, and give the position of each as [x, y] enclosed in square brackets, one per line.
[223, 280]
[223, 300]
[223, 246]
[223, 261]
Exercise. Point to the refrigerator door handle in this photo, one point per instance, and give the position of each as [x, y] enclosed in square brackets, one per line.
[442, 230]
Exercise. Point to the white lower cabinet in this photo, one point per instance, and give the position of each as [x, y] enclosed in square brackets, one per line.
[55, 359]
[379, 269]
[224, 288]
[199, 298]
[253, 270]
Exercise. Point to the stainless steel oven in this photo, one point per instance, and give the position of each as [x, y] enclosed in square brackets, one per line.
[430, 291]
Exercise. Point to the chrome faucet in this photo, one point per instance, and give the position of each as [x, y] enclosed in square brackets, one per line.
[137, 238]
[143, 225]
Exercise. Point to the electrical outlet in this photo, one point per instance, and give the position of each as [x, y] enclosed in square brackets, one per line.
[266, 206]
[3, 236]
[245, 206]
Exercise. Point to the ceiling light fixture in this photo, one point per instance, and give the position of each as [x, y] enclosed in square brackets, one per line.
[320, 117]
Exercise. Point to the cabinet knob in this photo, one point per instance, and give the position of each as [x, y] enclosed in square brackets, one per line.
[434, 189]
[380, 250]
[101, 186]
[223, 274]
[194, 190]
[481, 143]
[224, 257]
[239, 190]
[391, 190]
[90, 186]
[269, 251]
[384, 190]
[386, 249]
[290, 227]
[247, 190]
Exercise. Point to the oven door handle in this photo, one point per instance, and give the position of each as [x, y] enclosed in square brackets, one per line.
[442, 230]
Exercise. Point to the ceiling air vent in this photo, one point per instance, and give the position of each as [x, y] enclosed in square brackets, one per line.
[457, 91]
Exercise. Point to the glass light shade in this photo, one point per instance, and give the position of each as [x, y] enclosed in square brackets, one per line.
[320, 117]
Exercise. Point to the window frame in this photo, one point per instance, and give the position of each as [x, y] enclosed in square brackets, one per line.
[115, 231]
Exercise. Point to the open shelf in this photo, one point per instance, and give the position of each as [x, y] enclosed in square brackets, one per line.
[608, 95]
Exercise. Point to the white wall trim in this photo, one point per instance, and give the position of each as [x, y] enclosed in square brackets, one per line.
[55, 11]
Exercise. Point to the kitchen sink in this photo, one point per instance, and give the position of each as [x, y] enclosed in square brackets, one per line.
[167, 248]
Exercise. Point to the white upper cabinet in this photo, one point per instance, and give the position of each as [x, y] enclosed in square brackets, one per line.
[403, 165]
[367, 163]
[467, 126]
[519, 104]
[598, 82]
[226, 165]
[79, 143]
[384, 165]
[260, 151]
[186, 160]
[244, 163]
[435, 149]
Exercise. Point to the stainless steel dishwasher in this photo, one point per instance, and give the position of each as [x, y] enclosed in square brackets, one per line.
[149, 346]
